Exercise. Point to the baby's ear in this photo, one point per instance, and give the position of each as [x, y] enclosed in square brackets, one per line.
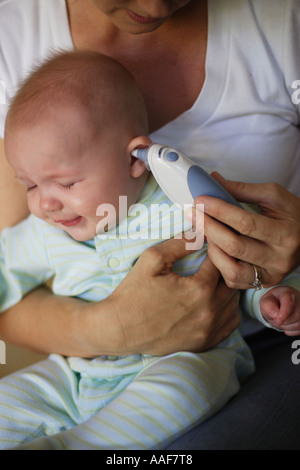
[137, 167]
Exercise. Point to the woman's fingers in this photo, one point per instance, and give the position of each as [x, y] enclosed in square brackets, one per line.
[159, 259]
[270, 197]
[236, 274]
[208, 273]
[244, 248]
[239, 220]
[278, 225]
[165, 312]
[238, 238]
[234, 256]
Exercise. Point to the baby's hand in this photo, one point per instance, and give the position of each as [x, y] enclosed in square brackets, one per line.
[280, 306]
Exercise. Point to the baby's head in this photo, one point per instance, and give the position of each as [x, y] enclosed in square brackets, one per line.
[70, 131]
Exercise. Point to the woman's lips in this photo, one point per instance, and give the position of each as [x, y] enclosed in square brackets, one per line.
[142, 19]
[69, 223]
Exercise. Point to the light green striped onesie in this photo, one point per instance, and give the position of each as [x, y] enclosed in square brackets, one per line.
[133, 402]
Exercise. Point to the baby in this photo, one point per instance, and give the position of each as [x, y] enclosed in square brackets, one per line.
[70, 134]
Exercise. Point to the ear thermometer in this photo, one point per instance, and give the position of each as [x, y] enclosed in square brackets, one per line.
[180, 178]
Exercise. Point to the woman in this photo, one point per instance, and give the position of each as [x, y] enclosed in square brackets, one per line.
[222, 96]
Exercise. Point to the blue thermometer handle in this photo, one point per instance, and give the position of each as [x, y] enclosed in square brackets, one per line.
[202, 184]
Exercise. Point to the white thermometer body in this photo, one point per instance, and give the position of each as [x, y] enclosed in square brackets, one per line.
[180, 178]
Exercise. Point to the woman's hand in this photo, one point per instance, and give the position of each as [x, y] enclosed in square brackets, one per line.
[161, 312]
[153, 311]
[270, 240]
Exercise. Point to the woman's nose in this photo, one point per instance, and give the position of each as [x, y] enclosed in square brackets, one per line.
[156, 8]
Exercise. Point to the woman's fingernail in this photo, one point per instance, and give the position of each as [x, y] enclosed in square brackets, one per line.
[201, 206]
[220, 177]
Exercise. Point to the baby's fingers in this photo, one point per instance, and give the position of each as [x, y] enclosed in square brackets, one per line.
[287, 314]
[280, 306]
[270, 307]
[292, 330]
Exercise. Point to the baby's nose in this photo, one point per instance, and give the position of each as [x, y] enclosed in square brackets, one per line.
[50, 204]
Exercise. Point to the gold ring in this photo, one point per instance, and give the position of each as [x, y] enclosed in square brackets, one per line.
[257, 280]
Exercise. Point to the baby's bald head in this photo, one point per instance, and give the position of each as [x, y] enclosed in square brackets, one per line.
[96, 87]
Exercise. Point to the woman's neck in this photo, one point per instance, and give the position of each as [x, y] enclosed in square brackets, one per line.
[92, 29]
[168, 64]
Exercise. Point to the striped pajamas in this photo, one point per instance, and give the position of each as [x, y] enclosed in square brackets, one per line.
[133, 402]
[140, 403]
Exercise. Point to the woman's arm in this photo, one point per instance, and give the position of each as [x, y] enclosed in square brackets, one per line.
[46, 323]
[153, 311]
[12, 195]
[270, 240]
